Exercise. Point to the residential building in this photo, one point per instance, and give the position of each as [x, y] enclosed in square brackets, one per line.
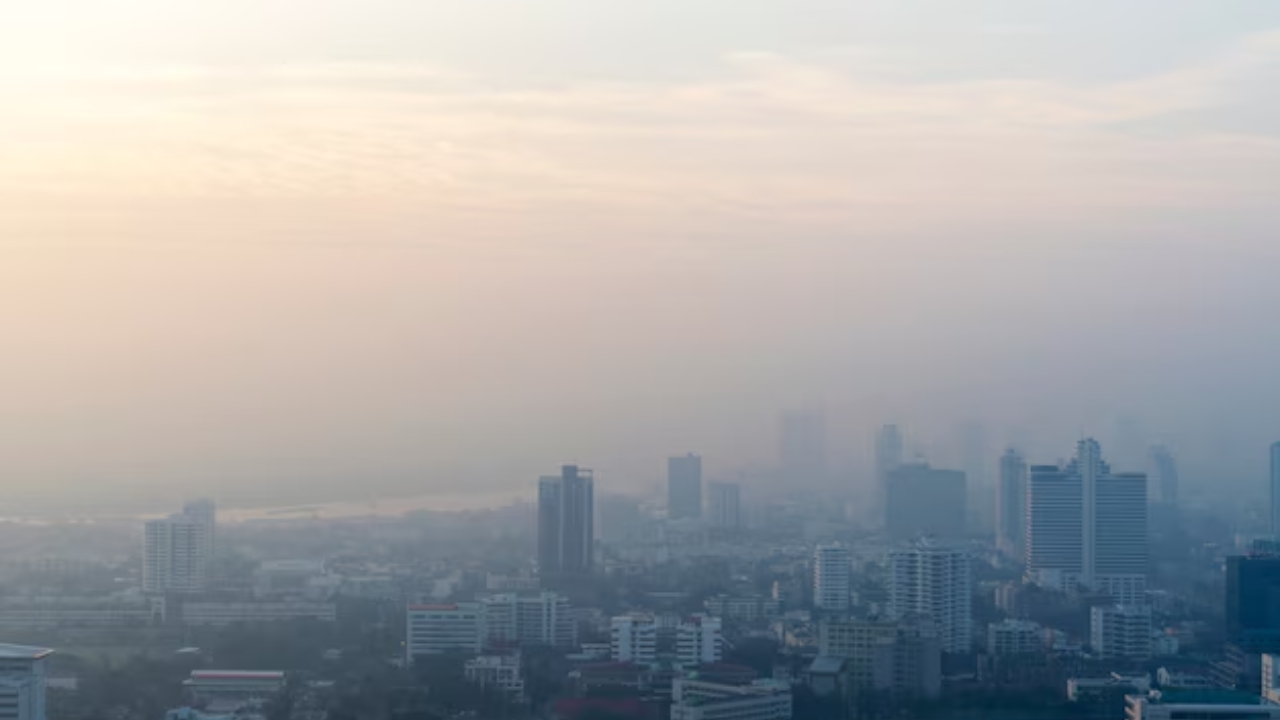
[566, 523]
[924, 501]
[832, 567]
[544, 618]
[724, 505]
[1014, 637]
[500, 672]
[1120, 631]
[443, 628]
[699, 640]
[684, 487]
[175, 554]
[1253, 596]
[699, 700]
[1087, 527]
[934, 581]
[1199, 705]
[634, 638]
[1011, 506]
[23, 678]
[909, 663]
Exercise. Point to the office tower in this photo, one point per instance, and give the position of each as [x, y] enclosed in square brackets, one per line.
[1011, 506]
[684, 487]
[1165, 486]
[724, 505]
[22, 682]
[1275, 490]
[934, 581]
[888, 456]
[1087, 526]
[566, 523]
[802, 448]
[1253, 597]
[634, 638]
[699, 640]
[444, 628]
[832, 566]
[619, 516]
[175, 555]
[925, 501]
[1120, 631]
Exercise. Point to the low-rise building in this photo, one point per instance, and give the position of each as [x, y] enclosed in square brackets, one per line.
[634, 638]
[233, 686]
[437, 629]
[761, 700]
[1120, 631]
[221, 613]
[699, 640]
[500, 672]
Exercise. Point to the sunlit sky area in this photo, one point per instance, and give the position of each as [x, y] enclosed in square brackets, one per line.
[387, 246]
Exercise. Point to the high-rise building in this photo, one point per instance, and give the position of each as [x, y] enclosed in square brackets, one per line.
[1275, 490]
[936, 582]
[888, 456]
[205, 512]
[634, 638]
[1166, 476]
[1011, 506]
[566, 523]
[175, 555]
[925, 501]
[802, 448]
[22, 682]
[1087, 526]
[1253, 597]
[699, 640]
[1120, 631]
[684, 487]
[832, 566]
[724, 505]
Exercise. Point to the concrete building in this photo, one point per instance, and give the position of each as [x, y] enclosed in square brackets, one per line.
[724, 505]
[684, 487]
[934, 581]
[1087, 527]
[1120, 631]
[175, 555]
[1014, 637]
[909, 663]
[222, 613]
[634, 638]
[832, 567]
[566, 523]
[761, 700]
[205, 512]
[23, 677]
[544, 618]
[1011, 506]
[924, 501]
[1253, 596]
[746, 608]
[1271, 677]
[500, 672]
[699, 640]
[229, 686]
[1199, 705]
[437, 629]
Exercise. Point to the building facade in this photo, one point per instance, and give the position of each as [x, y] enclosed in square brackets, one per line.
[699, 640]
[699, 700]
[832, 567]
[1120, 631]
[634, 638]
[936, 582]
[175, 555]
[1014, 637]
[1253, 596]
[1011, 506]
[566, 523]
[444, 628]
[925, 501]
[684, 487]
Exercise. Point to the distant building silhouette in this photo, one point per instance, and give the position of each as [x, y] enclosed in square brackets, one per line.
[684, 487]
[566, 523]
[1011, 506]
[1275, 490]
[724, 505]
[1253, 596]
[925, 501]
[1165, 482]
[802, 448]
[888, 456]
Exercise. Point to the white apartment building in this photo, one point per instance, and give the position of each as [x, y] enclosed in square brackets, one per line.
[501, 672]
[176, 555]
[634, 638]
[22, 682]
[540, 619]
[1014, 637]
[1087, 526]
[699, 640]
[832, 566]
[437, 629]
[1121, 631]
[762, 700]
[934, 581]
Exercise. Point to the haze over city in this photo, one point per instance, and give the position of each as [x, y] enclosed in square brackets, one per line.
[404, 248]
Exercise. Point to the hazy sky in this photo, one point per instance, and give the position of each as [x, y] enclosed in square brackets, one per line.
[446, 245]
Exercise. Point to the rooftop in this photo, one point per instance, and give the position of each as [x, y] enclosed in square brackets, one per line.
[23, 652]
[1205, 696]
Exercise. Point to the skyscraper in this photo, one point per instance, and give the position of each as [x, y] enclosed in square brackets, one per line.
[566, 523]
[1011, 506]
[925, 501]
[888, 457]
[1166, 476]
[175, 555]
[684, 487]
[1253, 596]
[1087, 526]
[1275, 490]
[832, 566]
[802, 448]
[724, 501]
[934, 581]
